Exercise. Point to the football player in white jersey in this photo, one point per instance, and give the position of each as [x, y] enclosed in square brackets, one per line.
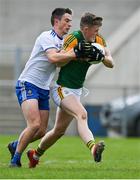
[32, 87]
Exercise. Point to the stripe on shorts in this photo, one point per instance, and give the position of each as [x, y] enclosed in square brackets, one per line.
[59, 90]
[23, 91]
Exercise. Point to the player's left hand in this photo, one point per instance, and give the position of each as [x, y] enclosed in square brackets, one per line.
[83, 49]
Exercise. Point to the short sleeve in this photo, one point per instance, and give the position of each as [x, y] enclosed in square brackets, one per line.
[69, 42]
[100, 39]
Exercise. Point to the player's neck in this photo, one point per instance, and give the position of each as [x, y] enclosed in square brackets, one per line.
[59, 33]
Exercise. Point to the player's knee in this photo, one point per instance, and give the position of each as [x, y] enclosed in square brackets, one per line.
[35, 127]
[83, 115]
[41, 133]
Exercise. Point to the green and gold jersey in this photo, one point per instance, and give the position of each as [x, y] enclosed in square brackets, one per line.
[73, 74]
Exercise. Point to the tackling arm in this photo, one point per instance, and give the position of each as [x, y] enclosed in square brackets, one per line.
[76, 51]
[56, 56]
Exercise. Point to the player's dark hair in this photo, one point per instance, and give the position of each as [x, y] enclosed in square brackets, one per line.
[89, 19]
[58, 13]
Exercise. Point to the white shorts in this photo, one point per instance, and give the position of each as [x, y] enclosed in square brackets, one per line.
[58, 93]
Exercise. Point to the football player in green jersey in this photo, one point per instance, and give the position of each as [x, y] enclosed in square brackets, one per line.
[69, 87]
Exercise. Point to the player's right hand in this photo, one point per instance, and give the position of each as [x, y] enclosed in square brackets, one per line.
[95, 55]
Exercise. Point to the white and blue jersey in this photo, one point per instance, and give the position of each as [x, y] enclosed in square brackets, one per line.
[39, 71]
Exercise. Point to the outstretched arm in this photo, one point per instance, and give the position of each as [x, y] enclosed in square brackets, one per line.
[56, 56]
[80, 50]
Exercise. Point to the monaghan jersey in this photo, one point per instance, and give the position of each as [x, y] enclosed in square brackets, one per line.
[73, 74]
[38, 70]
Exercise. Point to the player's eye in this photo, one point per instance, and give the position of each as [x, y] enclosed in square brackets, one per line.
[68, 20]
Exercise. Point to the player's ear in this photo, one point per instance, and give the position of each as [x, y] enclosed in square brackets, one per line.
[85, 29]
[56, 21]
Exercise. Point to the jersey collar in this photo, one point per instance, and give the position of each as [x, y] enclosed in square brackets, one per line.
[61, 38]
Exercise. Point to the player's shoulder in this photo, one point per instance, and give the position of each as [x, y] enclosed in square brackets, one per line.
[78, 34]
[100, 39]
[75, 33]
[45, 33]
[74, 36]
[71, 40]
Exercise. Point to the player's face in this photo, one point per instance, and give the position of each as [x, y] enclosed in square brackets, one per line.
[91, 32]
[65, 23]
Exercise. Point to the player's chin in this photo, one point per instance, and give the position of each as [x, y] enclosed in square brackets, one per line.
[67, 30]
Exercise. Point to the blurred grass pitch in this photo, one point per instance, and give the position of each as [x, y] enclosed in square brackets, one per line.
[69, 158]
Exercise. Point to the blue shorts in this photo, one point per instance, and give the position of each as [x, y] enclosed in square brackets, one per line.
[26, 90]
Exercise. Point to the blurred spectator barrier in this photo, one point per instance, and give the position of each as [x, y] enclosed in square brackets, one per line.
[122, 116]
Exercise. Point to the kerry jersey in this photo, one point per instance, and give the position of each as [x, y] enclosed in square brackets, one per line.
[73, 74]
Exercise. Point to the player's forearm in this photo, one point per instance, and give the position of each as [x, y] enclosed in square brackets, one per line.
[108, 62]
[61, 56]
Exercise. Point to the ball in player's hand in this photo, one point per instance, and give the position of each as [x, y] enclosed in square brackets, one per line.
[101, 49]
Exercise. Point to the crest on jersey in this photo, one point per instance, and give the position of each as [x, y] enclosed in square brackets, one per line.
[29, 92]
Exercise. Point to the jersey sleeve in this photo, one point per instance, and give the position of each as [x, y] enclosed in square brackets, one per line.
[100, 40]
[69, 42]
[46, 41]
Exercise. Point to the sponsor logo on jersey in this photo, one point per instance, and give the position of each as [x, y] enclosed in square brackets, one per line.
[58, 46]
